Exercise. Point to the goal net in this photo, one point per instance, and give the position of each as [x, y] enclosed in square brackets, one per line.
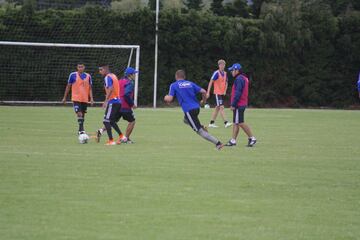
[38, 72]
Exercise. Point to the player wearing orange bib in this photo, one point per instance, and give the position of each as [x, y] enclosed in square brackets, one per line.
[112, 104]
[80, 84]
[220, 81]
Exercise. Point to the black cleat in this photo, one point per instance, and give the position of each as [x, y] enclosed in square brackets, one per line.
[230, 144]
[219, 146]
[98, 135]
[129, 141]
[251, 142]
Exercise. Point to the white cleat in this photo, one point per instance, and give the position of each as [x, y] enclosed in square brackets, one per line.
[212, 125]
[228, 124]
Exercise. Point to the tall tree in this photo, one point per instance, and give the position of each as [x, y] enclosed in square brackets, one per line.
[194, 4]
[217, 7]
[238, 8]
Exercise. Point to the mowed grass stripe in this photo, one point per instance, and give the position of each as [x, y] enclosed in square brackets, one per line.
[300, 182]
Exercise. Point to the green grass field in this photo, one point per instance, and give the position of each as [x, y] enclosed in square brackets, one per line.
[302, 180]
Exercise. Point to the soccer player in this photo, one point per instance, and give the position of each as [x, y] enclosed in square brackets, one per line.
[185, 92]
[358, 85]
[112, 104]
[239, 102]
[220, 81]
[80, 84]
[126, 86]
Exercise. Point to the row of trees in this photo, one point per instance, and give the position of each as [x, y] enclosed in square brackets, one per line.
[298, 53]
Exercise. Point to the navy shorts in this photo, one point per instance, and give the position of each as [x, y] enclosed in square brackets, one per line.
[219, 100]
[238, 115]
[80, 107]
[112, 112]
[128, 116]
[191, 118]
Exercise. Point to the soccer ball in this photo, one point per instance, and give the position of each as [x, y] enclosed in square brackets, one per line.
[207, 106]
[83, 138]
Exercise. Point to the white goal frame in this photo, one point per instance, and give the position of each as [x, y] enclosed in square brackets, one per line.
[68, 45]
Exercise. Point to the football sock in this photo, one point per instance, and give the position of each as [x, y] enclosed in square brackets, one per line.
[233, 141]
[81, 124]
[116, 127]
[212, 122]
[108, 129]
[207, 136]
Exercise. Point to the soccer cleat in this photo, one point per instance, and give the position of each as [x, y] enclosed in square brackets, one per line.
[110, 143]
[81, 132]
[230, 144]
[129, 141]
[251, 142]
[212, 125]
[219, 146]
[122, 139]
[228, 124]
[98, 135]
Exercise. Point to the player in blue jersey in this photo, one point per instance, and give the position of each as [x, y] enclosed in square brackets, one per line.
[358, 85]
[185, 91]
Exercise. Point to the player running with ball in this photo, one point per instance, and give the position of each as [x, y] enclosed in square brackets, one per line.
[185, 92]
[126, 95]
[112, 103]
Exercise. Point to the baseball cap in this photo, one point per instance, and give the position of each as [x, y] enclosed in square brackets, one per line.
[129, 71]
[235, 66]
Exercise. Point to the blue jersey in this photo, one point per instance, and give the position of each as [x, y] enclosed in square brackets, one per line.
[358, 83]
[185, 92]
[72, 77]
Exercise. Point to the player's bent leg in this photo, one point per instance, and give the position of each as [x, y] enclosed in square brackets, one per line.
[109, 132]
[210, 138]
[194, 122]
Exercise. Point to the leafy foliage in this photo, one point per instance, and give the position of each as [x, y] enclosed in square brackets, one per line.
[297, 53]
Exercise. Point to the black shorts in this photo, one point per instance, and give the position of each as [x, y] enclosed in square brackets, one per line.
[238, 115]
[80, 107]
[128, 116]
[191, 118]
[112, 112]
[219, 100]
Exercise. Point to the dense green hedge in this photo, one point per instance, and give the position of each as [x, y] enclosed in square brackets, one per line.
[296, 54]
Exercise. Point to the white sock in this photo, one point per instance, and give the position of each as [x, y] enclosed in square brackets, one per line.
[252, 138]
[233, 141]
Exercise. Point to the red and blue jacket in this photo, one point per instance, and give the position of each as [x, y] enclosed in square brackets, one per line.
[240, 92]
[126, 94]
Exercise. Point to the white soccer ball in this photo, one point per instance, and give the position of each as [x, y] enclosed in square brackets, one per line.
[207, 106]
[83, 138]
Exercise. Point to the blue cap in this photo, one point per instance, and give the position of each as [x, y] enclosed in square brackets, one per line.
[129, 71]
[235, 66]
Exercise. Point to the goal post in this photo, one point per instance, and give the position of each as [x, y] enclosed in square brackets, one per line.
[32, 72]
